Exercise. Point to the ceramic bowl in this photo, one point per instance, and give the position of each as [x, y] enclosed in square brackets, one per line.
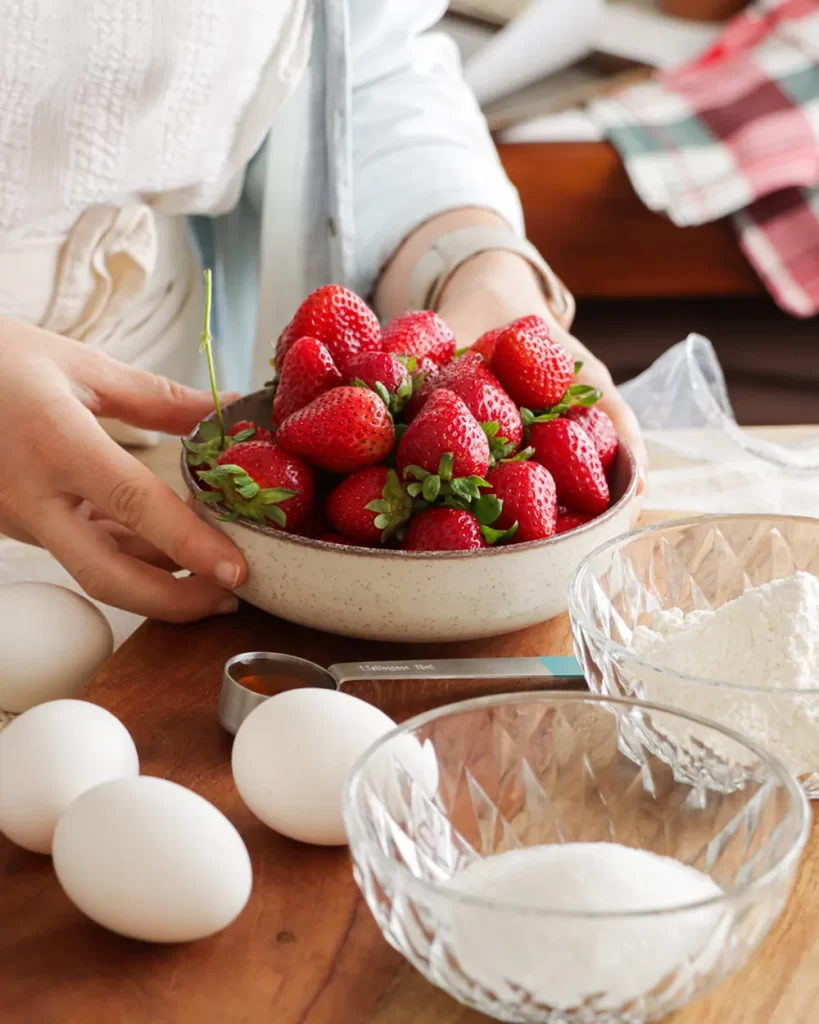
[412, 596]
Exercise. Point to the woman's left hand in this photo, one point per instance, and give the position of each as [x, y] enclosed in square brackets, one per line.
[495, 288]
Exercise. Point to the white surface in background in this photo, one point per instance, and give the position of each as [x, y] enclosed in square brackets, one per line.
[567, 126]
[650, 37]
[469, 36]
[548, 36]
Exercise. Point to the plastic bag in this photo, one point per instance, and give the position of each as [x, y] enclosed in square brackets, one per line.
[683, 395]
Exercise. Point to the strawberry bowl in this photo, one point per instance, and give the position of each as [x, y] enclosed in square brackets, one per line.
[384, 594]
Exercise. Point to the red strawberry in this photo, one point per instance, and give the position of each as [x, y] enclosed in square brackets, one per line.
[259, 433]
[444, 427]
[600, 429]
[444, 529]
[340, 431]
[369, 506]
[384, 374]
[568, 520]
[527, 491]
[421, 333]
[535, 370]
[425, 365]
[259, 481]
[489, 403]
[485, 345]
[469, 363]
[569, 454]
[308, 372]
[338, 318]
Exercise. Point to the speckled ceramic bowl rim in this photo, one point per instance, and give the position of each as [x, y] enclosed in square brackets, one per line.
[581, 621]
[388, 553]
[400, 875]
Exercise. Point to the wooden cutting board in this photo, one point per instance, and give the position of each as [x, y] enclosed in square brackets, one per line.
[305, 950]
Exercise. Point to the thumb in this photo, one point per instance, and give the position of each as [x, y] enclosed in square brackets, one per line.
[146, 400]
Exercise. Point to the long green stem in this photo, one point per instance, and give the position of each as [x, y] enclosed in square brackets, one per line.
[206, 346]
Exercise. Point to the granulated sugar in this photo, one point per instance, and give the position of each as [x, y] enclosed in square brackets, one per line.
[766, 638]
[562, 961]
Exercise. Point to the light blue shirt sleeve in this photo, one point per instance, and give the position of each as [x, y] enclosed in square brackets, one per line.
[420, 142]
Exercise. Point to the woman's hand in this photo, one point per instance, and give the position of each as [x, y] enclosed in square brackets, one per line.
[64, 484]
[497, 287]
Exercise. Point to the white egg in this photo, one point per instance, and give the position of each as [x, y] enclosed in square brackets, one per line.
[51, 640]
[152, 860]
[48, 757]
[292, 756]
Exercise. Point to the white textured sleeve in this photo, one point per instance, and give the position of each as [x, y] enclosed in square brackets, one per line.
[420, 143]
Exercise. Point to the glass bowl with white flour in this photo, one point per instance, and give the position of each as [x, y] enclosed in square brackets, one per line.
[714, 615]
[559, 871]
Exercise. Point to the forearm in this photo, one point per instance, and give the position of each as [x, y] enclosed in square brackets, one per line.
[484, 292]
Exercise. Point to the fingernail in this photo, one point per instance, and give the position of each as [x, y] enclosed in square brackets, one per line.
[228, 606]
[227, 573]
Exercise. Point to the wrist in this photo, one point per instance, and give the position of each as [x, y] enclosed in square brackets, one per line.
[490, 290]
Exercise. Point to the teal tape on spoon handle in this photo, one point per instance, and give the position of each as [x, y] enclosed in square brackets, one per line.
[567, 667]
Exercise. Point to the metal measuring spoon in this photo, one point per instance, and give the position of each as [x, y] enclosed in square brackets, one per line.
[252, 678]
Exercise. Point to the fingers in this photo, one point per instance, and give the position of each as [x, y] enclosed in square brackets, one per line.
[141, 399]
[90, 555]
[123, 490]
[136, 547]
[128, 493]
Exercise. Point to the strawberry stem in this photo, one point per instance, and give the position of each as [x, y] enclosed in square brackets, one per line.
[206, 346]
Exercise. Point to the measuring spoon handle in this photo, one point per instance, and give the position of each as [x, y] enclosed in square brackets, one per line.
[558, 668]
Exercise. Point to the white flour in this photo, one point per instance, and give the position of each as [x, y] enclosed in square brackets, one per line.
[563, 960]
[768, 637]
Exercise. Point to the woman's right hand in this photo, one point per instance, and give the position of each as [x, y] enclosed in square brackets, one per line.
[64, 484]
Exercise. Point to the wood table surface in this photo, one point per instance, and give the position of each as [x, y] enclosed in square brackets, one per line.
[306, 949]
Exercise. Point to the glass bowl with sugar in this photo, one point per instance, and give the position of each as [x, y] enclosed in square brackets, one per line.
[561, 870]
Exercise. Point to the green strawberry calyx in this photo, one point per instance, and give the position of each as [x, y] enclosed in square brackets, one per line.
[583, 395]
[409, 362]
[393, 509]
[457, 492]
[466, 493]
[242, 496]
[486, 510]
[522, 456]
[500, 448]
[394, 400]
[417, 377]
[212, 444]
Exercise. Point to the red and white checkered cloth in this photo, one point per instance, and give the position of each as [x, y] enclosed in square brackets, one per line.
[736, 132]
